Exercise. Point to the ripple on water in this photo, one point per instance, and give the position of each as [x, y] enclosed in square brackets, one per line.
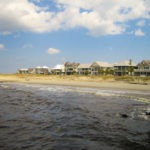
[53, 118]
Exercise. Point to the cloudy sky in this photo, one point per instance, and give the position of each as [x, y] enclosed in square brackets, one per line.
[49, 32]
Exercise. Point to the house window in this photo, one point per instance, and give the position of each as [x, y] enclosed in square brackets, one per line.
[146, 67]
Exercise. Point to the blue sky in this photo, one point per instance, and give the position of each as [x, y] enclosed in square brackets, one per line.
[50, 32]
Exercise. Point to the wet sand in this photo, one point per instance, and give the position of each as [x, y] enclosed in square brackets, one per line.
[96, 82]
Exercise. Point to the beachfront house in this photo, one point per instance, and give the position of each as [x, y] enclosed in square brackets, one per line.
[37, 70]
[71, 68]
[58, 70]
[23, 71]
[124, 68]
[42, 70]
[31, 70]
[101, 68]
[143, 68]
[84, 69]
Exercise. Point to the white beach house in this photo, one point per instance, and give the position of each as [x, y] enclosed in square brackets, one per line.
[101, 68]
[124, 68]
[58, 69]
[84, 69]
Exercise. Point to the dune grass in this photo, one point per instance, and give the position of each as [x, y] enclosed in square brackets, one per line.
[129, 79]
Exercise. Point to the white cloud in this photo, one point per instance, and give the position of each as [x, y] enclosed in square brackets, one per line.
[36, 1]
[2, 46]
[139, 32]
[141, 23]
[16, 15]
[5, 33]
[99, 17]
[53, 51]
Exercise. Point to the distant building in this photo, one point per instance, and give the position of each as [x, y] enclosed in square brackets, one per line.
[71, 68]
[37, 70]
[23, 71]
[96, 68]
[143, 68]
[124, 68]
[58, 70]
[42, 70]
[84, 69]
[101, 68]
[31, 70]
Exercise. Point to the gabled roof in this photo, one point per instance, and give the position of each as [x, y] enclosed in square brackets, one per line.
[125, 63]
[69, 64]
[84, 66]
[103, 64]
[144, 63]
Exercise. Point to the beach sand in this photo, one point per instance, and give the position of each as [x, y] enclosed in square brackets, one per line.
[80, 81]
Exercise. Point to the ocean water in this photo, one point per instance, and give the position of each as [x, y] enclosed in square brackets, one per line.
[49, 117]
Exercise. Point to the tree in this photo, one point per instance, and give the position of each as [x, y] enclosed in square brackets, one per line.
[131, 70]
[101, 71]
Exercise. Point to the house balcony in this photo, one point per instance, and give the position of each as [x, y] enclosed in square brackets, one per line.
[142, 70]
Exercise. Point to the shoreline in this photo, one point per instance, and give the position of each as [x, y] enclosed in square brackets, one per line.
[73, 81]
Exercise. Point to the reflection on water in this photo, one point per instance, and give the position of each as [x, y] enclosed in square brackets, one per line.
[38, 117]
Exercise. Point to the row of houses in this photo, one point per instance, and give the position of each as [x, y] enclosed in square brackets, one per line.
[36, 70]
[96, 68]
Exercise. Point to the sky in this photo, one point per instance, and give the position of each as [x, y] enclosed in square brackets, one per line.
[50, 32]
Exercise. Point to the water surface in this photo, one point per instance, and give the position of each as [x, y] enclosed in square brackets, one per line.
[48, 117]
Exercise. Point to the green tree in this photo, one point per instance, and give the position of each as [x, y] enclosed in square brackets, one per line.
[131, 70]
[101, 71]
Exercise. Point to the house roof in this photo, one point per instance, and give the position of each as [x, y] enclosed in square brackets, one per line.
[125, 63]
[23, 69]
[58, 67]
[144, 63]
[69, 64]
[103, 64]
[45, 67]
[84, 66]
[40, 67]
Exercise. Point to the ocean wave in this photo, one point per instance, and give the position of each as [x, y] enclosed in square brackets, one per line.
[134, 95]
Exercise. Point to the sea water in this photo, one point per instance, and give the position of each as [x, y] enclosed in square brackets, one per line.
[49, 117]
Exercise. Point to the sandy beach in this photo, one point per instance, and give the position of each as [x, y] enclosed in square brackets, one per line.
[80, 81]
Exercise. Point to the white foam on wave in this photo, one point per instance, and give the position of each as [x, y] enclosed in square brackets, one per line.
[4, 86]
[135, 95]
[95, 91]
